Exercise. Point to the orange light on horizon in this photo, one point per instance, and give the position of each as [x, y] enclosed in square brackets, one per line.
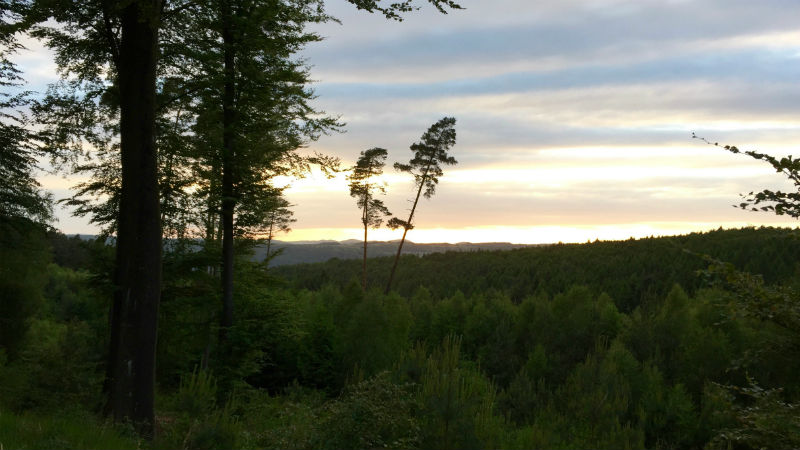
[521, 235]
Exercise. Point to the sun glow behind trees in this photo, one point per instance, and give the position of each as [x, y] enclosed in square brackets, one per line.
[581, 130]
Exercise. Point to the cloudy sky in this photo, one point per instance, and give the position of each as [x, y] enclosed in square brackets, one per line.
[574, 116]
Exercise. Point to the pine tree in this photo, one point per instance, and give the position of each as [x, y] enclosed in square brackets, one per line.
[429, 154]
[363, 189]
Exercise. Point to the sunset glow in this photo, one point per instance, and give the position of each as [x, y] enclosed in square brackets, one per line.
[574, 118]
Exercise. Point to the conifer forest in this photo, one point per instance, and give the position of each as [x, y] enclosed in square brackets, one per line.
[170, 327]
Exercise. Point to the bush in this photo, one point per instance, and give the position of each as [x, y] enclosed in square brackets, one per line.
[194, 421]
[375, 413]
[56, 367]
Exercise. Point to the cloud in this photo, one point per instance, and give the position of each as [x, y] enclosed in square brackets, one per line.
[490, 37]
[572, 114]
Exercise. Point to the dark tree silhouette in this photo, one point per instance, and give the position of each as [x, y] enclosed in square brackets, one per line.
[373, 211]
[118, 43]
[20, 195]
[426, 166]
[780, 203]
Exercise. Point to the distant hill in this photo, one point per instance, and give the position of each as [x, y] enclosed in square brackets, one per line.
[321, 251]
[299, 252]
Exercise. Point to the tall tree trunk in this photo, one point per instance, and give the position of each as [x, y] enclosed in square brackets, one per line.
[365, 221]
[130, 376]
[228, 158]
[397, 257]
[269, 237]
[405, 229]
[364, 263]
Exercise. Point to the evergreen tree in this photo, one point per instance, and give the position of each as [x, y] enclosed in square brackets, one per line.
[278, 220]
[426, 166]
[370, 164]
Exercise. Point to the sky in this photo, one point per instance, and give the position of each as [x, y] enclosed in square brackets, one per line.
[574, 117]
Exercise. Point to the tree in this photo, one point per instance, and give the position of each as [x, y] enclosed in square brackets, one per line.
[253, 113]
[261, 101]
[780, 203]
[117, 44]
[279, 219]
[24, 209]
[429, 154]
[770, 417]
[20, 196]
[370, 164]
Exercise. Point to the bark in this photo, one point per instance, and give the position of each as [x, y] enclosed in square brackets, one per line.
[228, 158]
[130, 376]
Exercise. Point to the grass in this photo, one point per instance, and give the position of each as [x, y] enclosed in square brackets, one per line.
[68, 430]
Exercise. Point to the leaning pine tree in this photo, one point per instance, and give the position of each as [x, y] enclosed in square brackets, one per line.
[429, 154]
[369, 165]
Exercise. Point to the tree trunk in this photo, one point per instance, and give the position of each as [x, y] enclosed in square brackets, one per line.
[405, 229]
[228, 158]
[130, 376]
[364, 263]
[269, 238]
[365, 221]
[396, 259]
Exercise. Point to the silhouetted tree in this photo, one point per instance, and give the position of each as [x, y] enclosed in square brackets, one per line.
[373, 211]
[278, 220]
[117, 45]
[19, 191]
[781, 203]
[429, 154]
[769, 419]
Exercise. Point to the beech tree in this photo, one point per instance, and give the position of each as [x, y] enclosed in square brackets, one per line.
[115, 45]
[253, 114]
[430, 153]
[373, 211]
[20, 196]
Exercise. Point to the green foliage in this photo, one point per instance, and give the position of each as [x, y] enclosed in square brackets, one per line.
[777, 202]
[57, 366]
[67, 429]
[22, 278]
[456, 401]
[374, 413]
[195, 421]
[340, 367]
[429, 154]
[374, 332]
[370, 164]
[632, 272]
[395, 10]
[266, 318]
[766, 415]
[765, 420]
[20, 194]
[289, 421]
[596, 401]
